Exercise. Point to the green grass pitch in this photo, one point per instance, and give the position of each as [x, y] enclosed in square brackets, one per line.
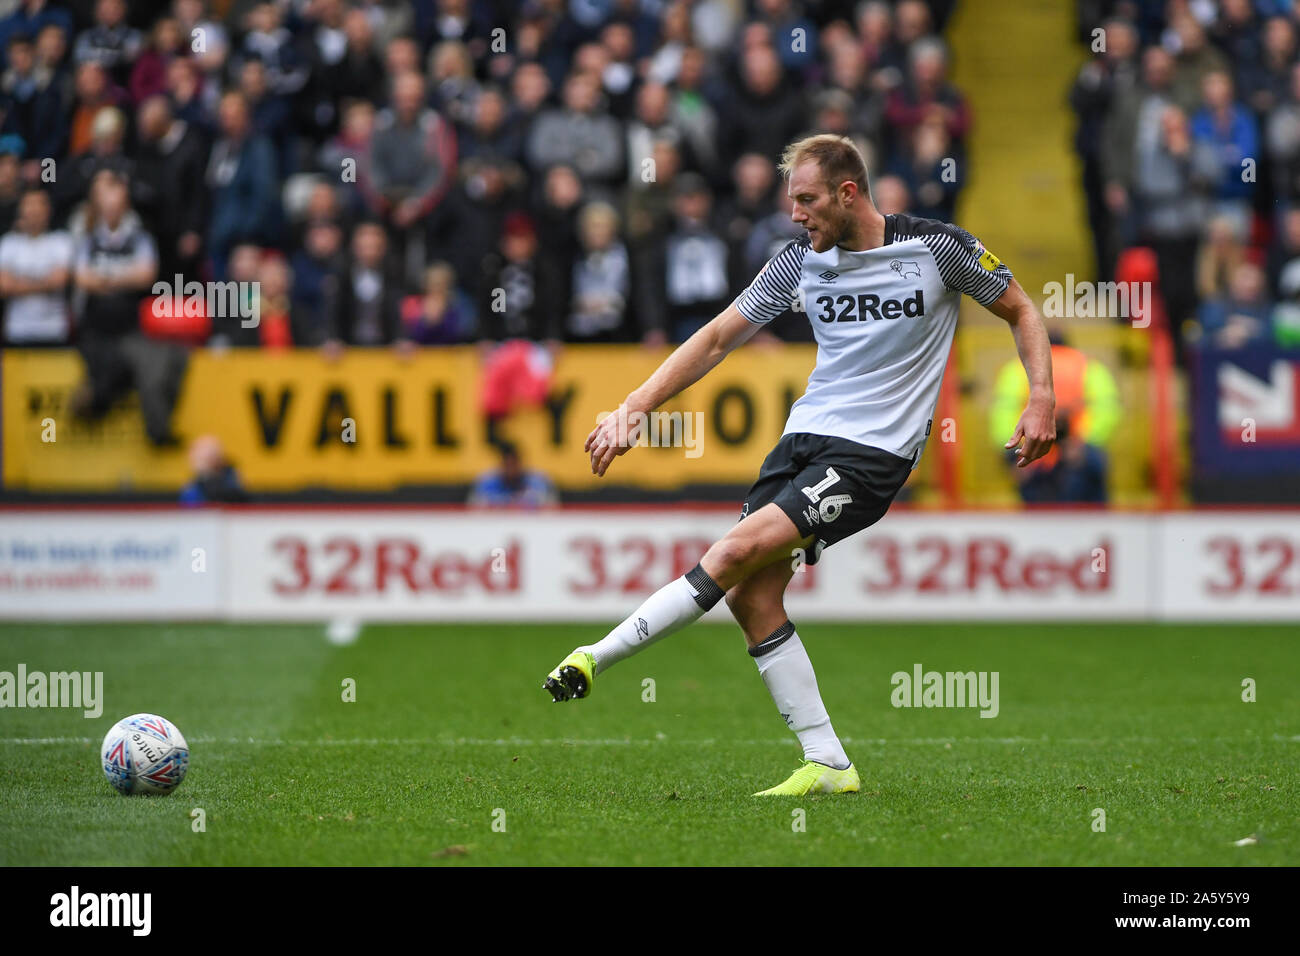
[451, 732]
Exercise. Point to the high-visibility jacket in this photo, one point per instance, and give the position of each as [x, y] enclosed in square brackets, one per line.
[1086, 395]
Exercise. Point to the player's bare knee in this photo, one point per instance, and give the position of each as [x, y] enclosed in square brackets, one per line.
[729, 556]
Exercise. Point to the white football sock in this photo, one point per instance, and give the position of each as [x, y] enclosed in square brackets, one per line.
[672, 607]
[788, 673]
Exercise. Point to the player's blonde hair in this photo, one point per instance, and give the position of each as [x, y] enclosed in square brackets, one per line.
[838, 158]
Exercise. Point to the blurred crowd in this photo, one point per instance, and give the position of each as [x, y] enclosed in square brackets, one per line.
[434, 171]
[1189, 135]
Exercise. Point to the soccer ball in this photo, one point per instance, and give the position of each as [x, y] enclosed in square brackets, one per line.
[145, 753]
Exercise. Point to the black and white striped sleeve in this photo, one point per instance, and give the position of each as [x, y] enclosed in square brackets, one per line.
[966, 266]
[776, 287]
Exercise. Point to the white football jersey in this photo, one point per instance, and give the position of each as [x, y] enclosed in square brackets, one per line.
[884, 321]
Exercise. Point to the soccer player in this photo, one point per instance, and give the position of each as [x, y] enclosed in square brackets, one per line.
[882, 294]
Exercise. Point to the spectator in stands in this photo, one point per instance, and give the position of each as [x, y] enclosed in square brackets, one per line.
[1220, 254]
[1195, 58]
[1228, 129]
[347, 155]
[276, 319]
[442, 314]
[412, 166]
[325, 47]
[1135, 119]
[207, 39]
[173, 156]
[149, 74]
[618, 74]
[530, 94]
[1271, 80]
[270, 115]
[111, 42]
[269, 42]
[215, 480]
[35, 268]
[1282, 138]
[883, 58]
[116, 264]
[229, 328]
[1172, 180]
[772, 232]
[185, 93]
[517, 288]
[930, 166]
[578, 135]
[94, 91]
[1088, 411]
[754, 177]
[693, 111]
[787, 24]
[245, 191]
[766, 112]
[401, 55]
[11, 183]
[29, 18]
[649, 211]
[452, 86]
[674, 37]
[833, 112]
[52, 55]
[848, 74]
[35, 101]
[650, 124]
[1237, 34]
[912, 22]
[371, 294]
[318, 270]
[345, 64]
[392, 18]
[925, 95]
[687, 284]
[107, 135]
[891, 196]
[1103, 81]
[1242, 316]
[512, 486]
[602, 280]
[466, 230]
[556, 216]
[490, 134]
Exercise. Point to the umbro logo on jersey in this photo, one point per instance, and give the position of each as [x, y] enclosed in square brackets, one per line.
[905, 268]
[829, 276]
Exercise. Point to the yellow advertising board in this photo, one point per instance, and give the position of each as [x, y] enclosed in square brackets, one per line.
[283, 417]
[418, 420]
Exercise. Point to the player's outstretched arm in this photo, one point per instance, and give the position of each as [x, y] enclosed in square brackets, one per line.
[1036, 430]
[689, 363]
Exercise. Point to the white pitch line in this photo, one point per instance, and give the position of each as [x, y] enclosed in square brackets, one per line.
[625, 741]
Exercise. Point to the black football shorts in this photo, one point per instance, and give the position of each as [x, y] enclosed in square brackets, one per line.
[830, 487]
